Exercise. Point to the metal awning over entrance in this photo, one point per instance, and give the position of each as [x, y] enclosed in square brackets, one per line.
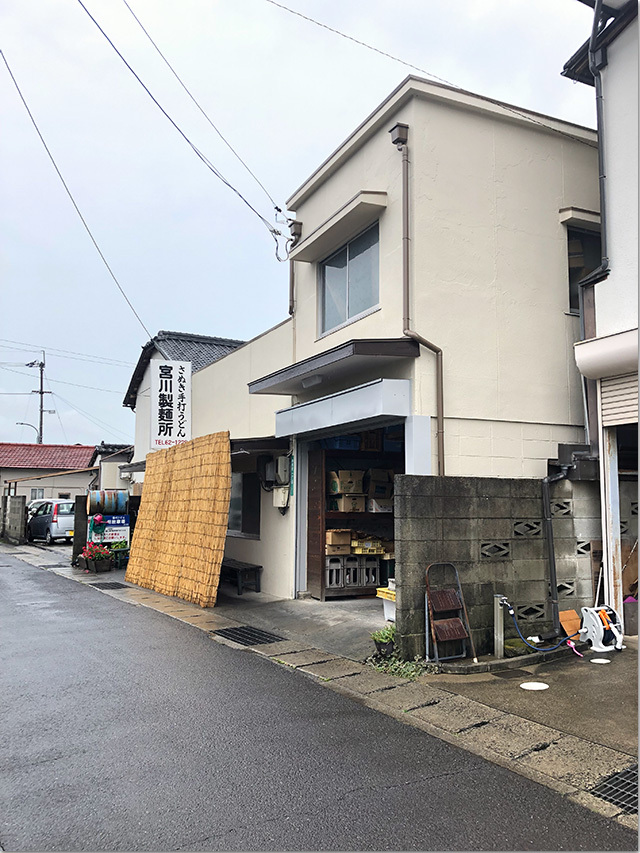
[367, 405]
[342, 363]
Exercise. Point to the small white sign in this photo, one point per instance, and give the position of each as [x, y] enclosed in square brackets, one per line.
[170, 403]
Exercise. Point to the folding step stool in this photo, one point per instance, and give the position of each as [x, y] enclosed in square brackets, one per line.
[447, 619]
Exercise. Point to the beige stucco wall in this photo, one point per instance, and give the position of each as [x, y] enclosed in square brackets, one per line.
[221, 399]
[73, 484]
[489, 275]
[274, 550]
[617, 296]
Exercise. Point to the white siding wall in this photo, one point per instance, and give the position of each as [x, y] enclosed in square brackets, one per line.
[617, 297]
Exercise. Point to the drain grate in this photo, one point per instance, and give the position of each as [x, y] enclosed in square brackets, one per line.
[621, 789]
[109, 585]
[247, 636]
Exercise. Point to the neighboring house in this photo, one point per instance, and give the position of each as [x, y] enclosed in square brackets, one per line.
[46, 470]
[200, 350]
[108, 458]
[608, 355]
[431, 331]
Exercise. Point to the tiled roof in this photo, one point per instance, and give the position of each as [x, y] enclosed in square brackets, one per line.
[63, 456]
[200, 350]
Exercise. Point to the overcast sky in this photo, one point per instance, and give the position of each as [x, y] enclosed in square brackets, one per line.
[188, 252]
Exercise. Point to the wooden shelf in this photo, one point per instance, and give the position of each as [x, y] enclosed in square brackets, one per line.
[333, 515]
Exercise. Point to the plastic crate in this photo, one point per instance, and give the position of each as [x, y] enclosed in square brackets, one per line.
[341, 442]
[369, 571]
[351, 570]
[334, 573]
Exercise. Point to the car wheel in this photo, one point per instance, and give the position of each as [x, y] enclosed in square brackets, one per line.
[68, 540]
[29, 535]
[48, 537]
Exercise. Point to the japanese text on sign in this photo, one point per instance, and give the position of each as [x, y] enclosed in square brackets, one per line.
[170, 403]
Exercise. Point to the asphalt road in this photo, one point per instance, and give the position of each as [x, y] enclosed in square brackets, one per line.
[126, 730]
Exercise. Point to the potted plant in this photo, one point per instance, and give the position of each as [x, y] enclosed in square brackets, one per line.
[385, 639]
[95, 558]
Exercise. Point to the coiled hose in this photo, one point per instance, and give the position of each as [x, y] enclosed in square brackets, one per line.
[505, 603]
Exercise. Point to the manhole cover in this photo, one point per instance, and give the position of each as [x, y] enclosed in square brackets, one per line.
[109, 585]
[512, 673]
[621, 789]
[247, 636]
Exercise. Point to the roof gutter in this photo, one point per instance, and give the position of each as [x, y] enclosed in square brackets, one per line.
[399, 137]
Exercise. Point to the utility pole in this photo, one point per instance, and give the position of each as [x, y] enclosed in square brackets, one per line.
[41, 392]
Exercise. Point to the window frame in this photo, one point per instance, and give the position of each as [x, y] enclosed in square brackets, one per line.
[320, 278]
[250, 498]
[579, 232]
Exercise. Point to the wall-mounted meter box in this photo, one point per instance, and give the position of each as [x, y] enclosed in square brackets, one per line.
[280, 496]
[283, 466]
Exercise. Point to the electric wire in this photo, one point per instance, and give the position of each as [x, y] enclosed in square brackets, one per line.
[507, 107]
[63, 382]
[73, 201]
[200, 108]
[86, 356]
[275, 233]
[95, 421]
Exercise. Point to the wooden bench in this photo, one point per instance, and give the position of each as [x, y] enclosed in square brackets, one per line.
[245, 575]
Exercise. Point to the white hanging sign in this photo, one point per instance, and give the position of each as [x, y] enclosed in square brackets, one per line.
[170, 403]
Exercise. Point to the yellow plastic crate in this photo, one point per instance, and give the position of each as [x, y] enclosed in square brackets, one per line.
[385, 592]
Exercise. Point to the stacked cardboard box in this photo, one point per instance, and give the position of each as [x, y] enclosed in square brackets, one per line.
[338, 542]
[345, 491]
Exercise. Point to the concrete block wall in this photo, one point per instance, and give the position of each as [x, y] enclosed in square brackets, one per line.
[492, 530]
[15, 519]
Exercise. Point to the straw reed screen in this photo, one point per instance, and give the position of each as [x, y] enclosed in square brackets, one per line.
[179, 538]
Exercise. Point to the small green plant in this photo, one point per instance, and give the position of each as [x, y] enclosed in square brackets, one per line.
[386, 634]
[410, 669]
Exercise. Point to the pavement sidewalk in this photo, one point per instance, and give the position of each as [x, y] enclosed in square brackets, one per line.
[570, 737]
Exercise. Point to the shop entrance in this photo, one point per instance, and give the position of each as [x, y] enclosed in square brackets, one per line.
[350, 539]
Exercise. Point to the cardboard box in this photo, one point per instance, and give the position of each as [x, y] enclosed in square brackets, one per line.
[347, 503]
[380, 505]
[378, 483]
[332, 550]
[345, 483]
[338, 537]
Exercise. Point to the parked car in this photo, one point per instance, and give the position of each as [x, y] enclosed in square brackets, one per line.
[52, 520]
[32, 506]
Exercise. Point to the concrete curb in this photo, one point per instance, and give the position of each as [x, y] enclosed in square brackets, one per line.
[570, 759]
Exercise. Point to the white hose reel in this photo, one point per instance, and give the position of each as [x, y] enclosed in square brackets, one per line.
[602, 628]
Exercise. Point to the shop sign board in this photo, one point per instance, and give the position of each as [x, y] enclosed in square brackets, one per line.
[170, 403]
[117, 532]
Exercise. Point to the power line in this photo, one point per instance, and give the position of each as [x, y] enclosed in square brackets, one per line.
[506, 107]
[175, 74]
[89, 417]
[73, 201]
[272, 230]
[62, 382]
[54, 350]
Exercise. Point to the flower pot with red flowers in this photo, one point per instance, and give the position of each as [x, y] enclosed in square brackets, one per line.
[96, 557]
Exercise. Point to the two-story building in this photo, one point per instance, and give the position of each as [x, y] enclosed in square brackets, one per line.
[607, 355]
[431, 332]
